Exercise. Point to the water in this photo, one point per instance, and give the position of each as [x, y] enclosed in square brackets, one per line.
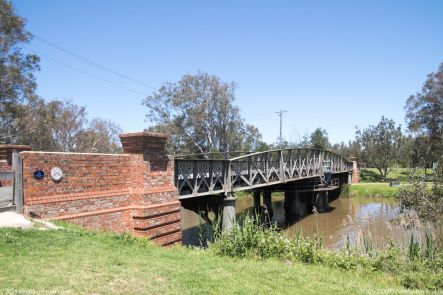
[348, 219]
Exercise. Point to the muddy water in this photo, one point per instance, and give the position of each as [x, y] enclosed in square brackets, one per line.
[349, 219]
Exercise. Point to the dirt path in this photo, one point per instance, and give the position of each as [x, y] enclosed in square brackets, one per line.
[12, 219]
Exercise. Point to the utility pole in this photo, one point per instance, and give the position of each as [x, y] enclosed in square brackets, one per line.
[280, 114]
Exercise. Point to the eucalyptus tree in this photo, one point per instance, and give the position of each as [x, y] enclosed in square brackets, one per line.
[424, 115]
[17, 81]
[199, 114]
[380, 145]
[63, 126]
[319, 139]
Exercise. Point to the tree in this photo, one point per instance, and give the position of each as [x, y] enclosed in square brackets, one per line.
[17, 82]
[424, 114]
[69, 122]
[101, 136]
[63, 126]
[380, 145]
[421, 152]
[38, 126]
[319, 139]
[199, 114]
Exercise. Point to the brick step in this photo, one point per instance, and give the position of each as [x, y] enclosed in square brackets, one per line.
[165, 239]
[159, 220]
[169, 240]
[147, 213]
[159, 231]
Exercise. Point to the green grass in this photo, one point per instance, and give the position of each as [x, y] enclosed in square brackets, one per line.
[399, 174]
[373, 190]
[78, 261]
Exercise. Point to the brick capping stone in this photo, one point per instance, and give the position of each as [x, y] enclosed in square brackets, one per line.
[131, 192]
[143, 134]
[151, 145]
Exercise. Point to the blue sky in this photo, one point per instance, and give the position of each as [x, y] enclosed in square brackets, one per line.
[330, 64]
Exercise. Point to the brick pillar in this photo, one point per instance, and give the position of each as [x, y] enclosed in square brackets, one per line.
[355, 170]
[6, 151]
[151, 145]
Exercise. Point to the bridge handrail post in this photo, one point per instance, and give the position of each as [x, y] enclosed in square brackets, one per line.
[282, 172]
[211, 176]
[290, 163]
[249, 168]
[194, 176]
[320, 162]
[228, 177]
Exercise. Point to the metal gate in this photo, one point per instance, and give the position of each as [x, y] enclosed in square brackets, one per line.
[11, 196]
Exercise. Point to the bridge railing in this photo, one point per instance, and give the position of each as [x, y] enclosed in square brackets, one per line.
[203, 177]
[200, 177]
[212, 155]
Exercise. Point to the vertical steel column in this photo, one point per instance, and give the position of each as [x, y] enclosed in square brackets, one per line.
[18, 182]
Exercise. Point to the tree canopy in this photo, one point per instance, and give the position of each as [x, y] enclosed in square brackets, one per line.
[319, 139]
[380, 144]
[199, 113]
[17, 81]
[26, 118]
[424, 116]
[64, 126]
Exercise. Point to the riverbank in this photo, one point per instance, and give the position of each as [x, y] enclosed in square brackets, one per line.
[77, 261]
[394, 174]
[371, 190]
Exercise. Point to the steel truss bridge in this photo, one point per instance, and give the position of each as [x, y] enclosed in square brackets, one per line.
[216, 173]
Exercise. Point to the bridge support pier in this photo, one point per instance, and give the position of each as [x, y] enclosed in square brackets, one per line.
[304, 200]
[267, 202]
[289, 203]
[294, 207]
[319, 202]
[257, 203]
[228, 218]
[326, 201]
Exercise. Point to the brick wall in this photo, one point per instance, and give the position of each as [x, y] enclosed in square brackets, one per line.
[121, 193]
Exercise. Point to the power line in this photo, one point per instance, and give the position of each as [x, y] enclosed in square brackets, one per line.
[84, 72]
[104, 68]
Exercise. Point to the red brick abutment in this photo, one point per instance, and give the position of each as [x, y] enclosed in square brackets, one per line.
[132, 192]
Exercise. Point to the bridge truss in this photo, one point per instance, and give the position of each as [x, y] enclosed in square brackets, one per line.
[207, 174]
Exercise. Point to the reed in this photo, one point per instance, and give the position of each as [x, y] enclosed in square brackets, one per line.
[422, 255]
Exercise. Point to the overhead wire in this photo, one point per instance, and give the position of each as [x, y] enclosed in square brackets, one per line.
[102, 67]
[83, 71]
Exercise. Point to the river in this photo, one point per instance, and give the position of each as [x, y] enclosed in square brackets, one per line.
[349, 219]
